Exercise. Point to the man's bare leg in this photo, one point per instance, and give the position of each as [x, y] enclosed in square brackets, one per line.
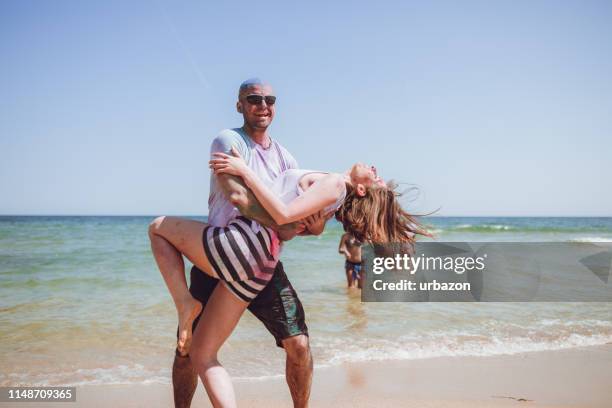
[298, 369]
[184, 381]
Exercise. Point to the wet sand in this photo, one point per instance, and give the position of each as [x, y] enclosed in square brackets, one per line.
[580, 377]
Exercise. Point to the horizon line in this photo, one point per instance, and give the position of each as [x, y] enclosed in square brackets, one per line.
[206, 215]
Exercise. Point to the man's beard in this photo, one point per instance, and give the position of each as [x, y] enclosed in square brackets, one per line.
[256, 125]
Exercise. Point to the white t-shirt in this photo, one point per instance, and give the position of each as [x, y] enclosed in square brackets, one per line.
[268, 164]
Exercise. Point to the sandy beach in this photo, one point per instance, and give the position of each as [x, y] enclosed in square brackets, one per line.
[580, 377]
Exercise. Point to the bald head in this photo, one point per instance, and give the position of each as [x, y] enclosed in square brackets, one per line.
[253, 83]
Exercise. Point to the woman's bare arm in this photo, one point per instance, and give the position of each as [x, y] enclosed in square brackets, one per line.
[236, 191]
[322, 193]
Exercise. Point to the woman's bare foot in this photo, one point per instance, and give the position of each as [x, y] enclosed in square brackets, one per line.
[188, 311]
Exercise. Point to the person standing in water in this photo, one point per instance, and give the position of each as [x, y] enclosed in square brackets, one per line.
[350, 247]
[277, 306]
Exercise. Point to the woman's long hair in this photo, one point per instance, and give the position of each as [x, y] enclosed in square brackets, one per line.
[378, 217]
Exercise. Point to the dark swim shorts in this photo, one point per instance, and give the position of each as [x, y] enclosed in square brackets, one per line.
[277, 306]
[356, 267]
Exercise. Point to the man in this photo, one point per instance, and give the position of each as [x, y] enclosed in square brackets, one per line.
[277, 306]
[350, 247]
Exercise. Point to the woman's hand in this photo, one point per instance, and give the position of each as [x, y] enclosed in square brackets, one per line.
[224, 163]
[315, 223]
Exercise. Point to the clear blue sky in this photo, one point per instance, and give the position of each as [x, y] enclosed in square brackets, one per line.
[491, 108]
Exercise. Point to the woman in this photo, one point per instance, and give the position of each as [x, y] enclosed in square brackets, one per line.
[243, 255]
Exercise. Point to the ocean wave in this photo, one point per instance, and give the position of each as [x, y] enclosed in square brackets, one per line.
[118, 375]
[489, 338]
[544, 335]
[466, 345]
[497, 228]
[477, 228]
[591, 239]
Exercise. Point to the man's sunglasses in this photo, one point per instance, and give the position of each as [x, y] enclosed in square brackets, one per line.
[258, 99]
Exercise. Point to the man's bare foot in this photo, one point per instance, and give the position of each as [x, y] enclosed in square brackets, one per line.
[190, 309]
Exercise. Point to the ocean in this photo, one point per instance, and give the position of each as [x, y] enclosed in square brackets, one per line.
[82, 302]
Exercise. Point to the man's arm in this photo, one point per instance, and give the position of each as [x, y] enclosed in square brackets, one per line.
[236, 191]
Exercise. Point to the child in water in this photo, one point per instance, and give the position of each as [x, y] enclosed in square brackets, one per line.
[350, 247]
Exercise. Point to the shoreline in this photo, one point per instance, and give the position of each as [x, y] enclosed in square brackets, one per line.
[577, 377]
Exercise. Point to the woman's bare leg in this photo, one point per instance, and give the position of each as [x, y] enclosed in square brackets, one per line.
[218, 320]
[171, 238]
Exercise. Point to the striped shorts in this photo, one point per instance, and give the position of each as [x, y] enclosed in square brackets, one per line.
[243, 255]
